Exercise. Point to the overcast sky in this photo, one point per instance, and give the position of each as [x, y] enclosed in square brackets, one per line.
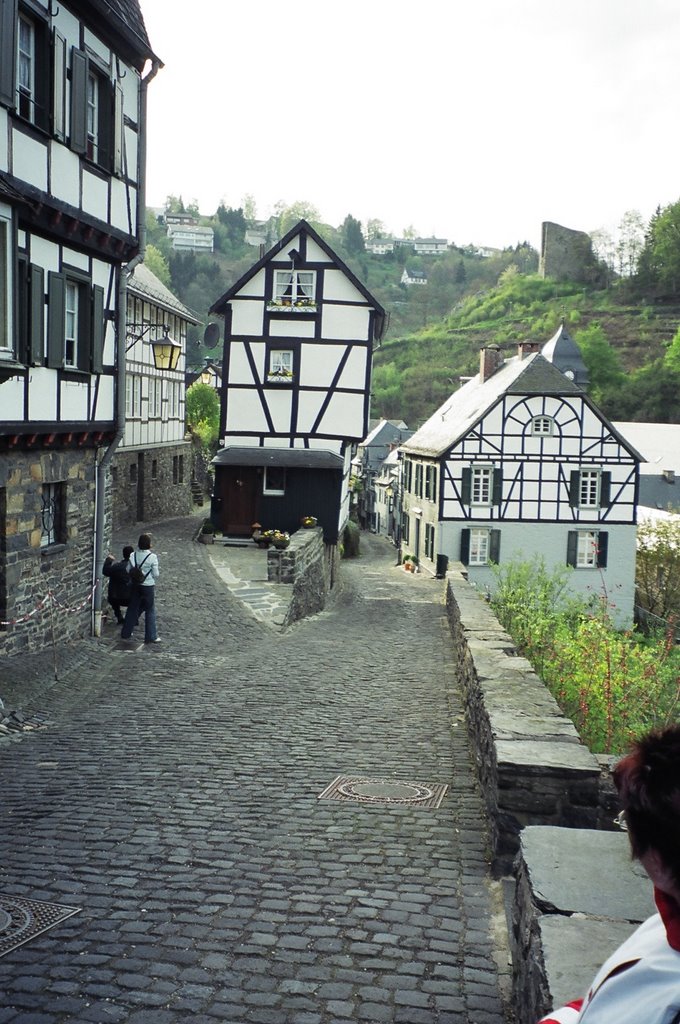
[474, 120]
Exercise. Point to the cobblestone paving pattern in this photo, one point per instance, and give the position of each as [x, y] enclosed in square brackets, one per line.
[174, 798]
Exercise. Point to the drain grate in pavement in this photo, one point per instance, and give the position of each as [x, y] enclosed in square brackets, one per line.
[21, 919]
[384, 791]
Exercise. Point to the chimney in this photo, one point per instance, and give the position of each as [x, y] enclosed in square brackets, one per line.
[669, 476]
[490, 360]
[527, 348]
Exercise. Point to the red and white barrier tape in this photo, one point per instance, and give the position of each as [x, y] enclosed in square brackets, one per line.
[50, 597]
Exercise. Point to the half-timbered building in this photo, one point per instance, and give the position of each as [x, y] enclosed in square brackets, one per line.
[299, 336]
[152, 469]
[72, 100]
[521, 463]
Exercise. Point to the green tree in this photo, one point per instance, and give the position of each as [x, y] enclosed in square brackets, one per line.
[630, 242]
[288, 216]
[203, 412]
[604, 366]
[158, 265]
[375, 229]
[249, 207]
[352, 235]
[657, 567]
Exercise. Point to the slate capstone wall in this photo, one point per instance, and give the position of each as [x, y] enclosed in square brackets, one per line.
[309, 566]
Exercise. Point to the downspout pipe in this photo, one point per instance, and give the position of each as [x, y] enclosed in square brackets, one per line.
[120, 345]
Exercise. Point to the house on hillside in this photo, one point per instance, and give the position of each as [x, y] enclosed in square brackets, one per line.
[299, 336]
[191, 237]
[73, 84]
[384, 437]
[430, 246]
[411, 276]
[520, 462]
[152, 468]
[379, 246]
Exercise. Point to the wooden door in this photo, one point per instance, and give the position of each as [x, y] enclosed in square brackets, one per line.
[239, 491]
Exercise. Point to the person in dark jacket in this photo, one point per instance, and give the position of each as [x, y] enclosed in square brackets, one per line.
[120, 584]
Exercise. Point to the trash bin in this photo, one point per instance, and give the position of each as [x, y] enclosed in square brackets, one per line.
[442, 566]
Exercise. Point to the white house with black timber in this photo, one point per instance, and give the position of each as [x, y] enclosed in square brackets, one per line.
[299, 335]
[73, 78]
[520, 463]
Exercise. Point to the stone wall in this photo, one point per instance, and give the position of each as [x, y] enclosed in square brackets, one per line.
[309, 566]
[151, 484]
[532, 766]
[566, 255]
[46, 590]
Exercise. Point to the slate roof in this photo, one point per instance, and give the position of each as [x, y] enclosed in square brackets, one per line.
[659, 443]
[300, 458]
[533, 375]
[124, 18]
[145, 283]
[563, 352]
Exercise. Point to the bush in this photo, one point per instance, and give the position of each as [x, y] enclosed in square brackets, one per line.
[350, 540]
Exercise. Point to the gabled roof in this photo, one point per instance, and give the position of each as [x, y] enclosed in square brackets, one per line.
[533, 375]
[144, 282]
[301, 227]
[123, 18]
[658, 442]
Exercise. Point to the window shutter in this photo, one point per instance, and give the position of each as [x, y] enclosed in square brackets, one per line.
[605, 490]
[465, 546]
[495, 546]
[105, 128]
[8, 36]
[36, 328]
[466, 486]
[118, 130]
[56, 285]
[79, 66]
[574, 486]
[572, 542]
[602, 549]
[59, 85]
[496, 486]
[98, 328]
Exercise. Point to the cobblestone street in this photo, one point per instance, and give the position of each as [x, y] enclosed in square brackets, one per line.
[174, 799]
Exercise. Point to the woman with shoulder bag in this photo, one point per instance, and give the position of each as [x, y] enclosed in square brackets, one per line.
[143, 569]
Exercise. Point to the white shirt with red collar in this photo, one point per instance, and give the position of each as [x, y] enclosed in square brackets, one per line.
[640, 983]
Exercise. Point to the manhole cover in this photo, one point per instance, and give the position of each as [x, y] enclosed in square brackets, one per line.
[21, 919]
[384, 791]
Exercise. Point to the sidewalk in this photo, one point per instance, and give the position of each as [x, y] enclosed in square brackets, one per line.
[253, 825]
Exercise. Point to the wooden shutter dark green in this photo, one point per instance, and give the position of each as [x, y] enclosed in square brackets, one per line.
[465, 546]
[496, 486]
[466, 486]
[572, 544]
[56, 286]
[98, 326]
[495, 546]
[574, 488]
[8, 44]
[79, 69]
[36, 315]
[605, 490]
[602, 549]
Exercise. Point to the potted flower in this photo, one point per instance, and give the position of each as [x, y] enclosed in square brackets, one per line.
[280, 539]
[265, 539]
[407, 563]
[207, 534]
[308, 522]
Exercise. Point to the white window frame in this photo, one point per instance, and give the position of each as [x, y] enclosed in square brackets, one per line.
[280, 364]
[481, 485]
[133, 396]
[295, 287]
[71, 322]
[587, 542]
[542, 426]
[6, 280]
[26, 60]
[92, 115]
[589, 483]
[480, 545]
[155, 398]
[271, 490]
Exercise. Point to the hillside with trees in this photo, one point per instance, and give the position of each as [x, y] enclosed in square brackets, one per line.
[624, 313]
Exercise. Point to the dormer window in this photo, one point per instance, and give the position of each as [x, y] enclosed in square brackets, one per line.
[542, 426]
[294, 289]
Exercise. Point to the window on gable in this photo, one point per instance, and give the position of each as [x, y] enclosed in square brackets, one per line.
[280, 365]
[32, 67]
[92, 110]
[481, 483]
[274, 481]
[542, 426]
[52, 515]
[294, 287]
[590, 488]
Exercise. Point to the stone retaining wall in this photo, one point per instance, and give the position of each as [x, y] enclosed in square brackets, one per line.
[533, 768]
[310, 566]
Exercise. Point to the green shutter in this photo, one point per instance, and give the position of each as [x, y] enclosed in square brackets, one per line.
[98, 328]
[572, 542]
[36, 283]
[574, 488]
[465, 546]
[602, 549]
[56, 284]
[496, 486]
[605, 490]
[495, 546]
[466, 486]
[79, 67]
[8, 44]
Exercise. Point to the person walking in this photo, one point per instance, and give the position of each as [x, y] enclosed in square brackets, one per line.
[143, 568]
[120, 584]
